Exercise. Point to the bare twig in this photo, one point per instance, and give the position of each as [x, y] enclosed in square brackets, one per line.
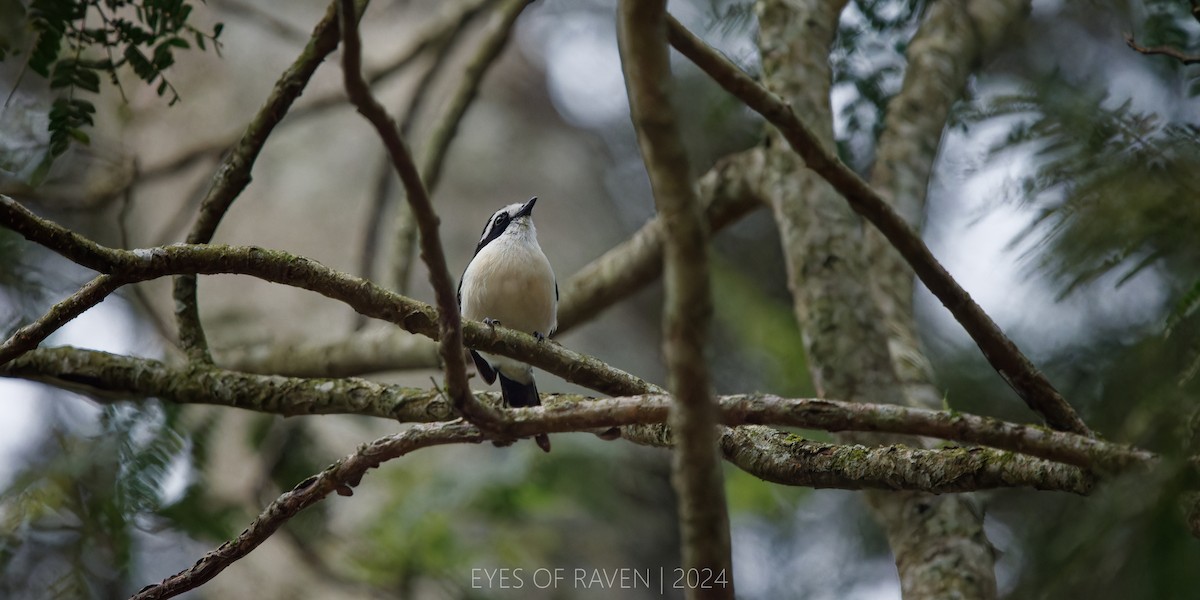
[340, 477]
[234, 173]
[450, 322]
[1175, 53]
[772, 455]
[323, 102]
[1004, 356]
[29, 336]
[696, 468]
[444, 131]
[405, 227]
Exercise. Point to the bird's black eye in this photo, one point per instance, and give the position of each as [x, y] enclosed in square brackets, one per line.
[502, 220]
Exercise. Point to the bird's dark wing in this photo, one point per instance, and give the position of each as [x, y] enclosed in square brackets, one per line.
[485, 370]
[516, 395]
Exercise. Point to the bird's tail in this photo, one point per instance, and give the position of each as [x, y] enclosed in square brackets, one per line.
[517, 395]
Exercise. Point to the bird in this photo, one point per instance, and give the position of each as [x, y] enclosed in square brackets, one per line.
[509, 282]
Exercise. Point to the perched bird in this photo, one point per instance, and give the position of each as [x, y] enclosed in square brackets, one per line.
[509, 282]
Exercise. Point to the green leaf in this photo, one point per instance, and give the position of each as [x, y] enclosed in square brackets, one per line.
[140, 64]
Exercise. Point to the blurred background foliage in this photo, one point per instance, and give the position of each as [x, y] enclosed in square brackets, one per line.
[1087, 149]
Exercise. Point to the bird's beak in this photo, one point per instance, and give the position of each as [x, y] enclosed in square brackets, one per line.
[527, 209]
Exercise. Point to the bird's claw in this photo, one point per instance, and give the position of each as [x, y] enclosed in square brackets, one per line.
[537, 335]
[490, 322]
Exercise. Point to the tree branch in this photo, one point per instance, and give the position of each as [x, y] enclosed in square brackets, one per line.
[939, 543]
[728, 192]
[279, 267]
[1004, 356]
[234, 173]
[450, 322]
[788, 459]
[1175, 53]
[339, 477]
[111, 377]
[446, 128]
[687, 308]
[772, 455]
[323, 102]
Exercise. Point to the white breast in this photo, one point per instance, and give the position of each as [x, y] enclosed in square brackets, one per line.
[511, 281]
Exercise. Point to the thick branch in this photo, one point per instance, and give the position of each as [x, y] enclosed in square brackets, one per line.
[361, 295]
[233, 175]
[110, 376]
[687, 310]
[789, 459]
[1001, 352]
[929, 537]
[450, 322]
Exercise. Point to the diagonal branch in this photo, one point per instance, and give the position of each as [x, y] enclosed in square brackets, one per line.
[495, 38]
[339, 477]
[1004, 356]
[1175, 53]
[234, 173]
[727, 192]
[687, 309]
[131, 266]
[450, 322]
[772, 455]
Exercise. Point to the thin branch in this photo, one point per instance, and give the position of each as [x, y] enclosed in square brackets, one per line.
[728, 192]
[339, 477]
[265, 19]
[485, 56]
[234, 173]
[28, 337]
[1004, 356]
[687, 309]
[1175, 53]
[450, 322]
[113, 377]
[446, 128]
[772, 455]
[405, 228]
[320, 103]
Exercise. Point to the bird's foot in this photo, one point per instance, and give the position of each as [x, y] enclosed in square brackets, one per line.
[537, 335]
[490, 322]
